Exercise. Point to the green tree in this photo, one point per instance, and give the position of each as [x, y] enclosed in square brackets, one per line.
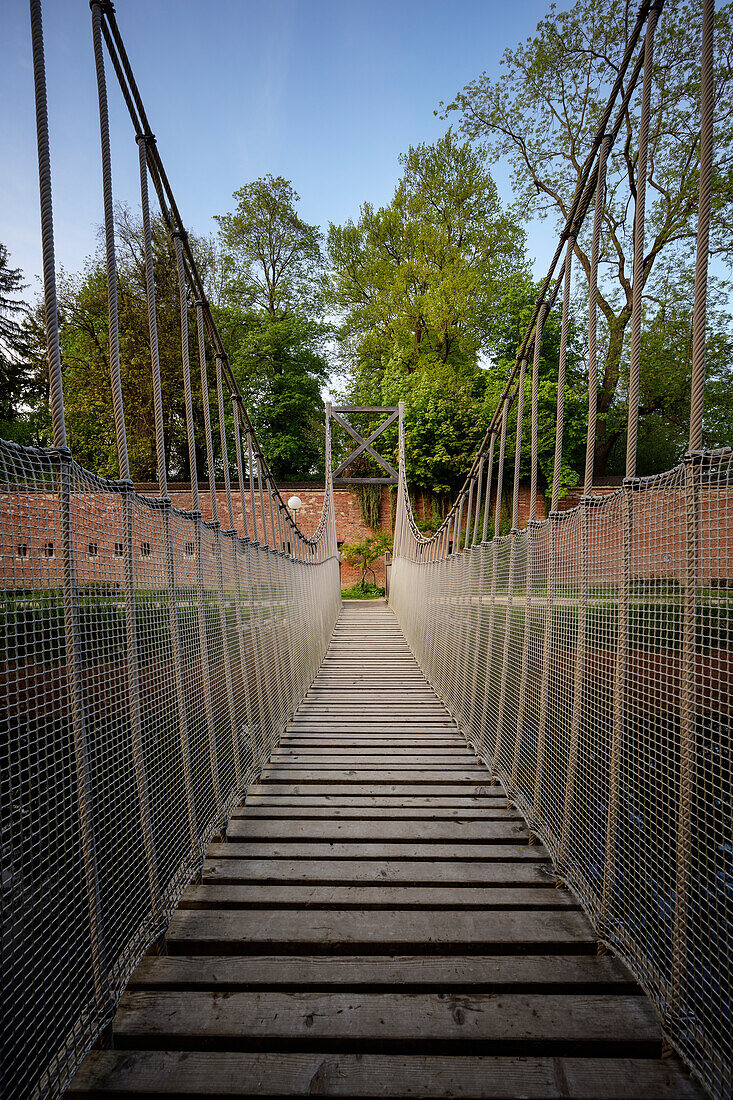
[541, 114]
[364, 553]
[420, 279]
[83, 321]
[270, 311]
[15, 384]
[419, 285]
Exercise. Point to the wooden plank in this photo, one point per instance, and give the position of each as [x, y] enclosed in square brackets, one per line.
[375, 897]
[336, 742]
[399, 805]
[374, 776]
[442, 972]
[361, 850]
[372, 755]
[201, 931]
[218, 868]
[370, 790]
[455, 832]
[225, 1073]
[393, 813]
[417, 762]
[524, 1021]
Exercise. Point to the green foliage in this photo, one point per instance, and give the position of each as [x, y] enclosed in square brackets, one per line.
[364, 553]
[83, 320]
[364, 590]
[369, 497]
[546, 106]
[16, 381]
[280, 367]
[419, 285]
[270, 314]
[272, 258]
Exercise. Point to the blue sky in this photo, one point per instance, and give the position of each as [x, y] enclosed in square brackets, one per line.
[327, 93]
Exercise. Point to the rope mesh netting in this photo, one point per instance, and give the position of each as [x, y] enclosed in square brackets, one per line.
[151, 659]
[561, 651]
[588, 656]
[130, 728]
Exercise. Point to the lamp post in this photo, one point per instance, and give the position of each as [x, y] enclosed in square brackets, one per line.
[294, 503]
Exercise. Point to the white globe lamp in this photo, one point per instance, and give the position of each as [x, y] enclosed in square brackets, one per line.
[294, 504]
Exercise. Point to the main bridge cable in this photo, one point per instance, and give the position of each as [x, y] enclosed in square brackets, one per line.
[174, 223]
[586, 188]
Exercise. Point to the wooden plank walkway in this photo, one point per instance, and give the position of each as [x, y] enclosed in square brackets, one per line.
[376, 924]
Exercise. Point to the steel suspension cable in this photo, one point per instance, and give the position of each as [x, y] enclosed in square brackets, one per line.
[632, 430]
[703, 225]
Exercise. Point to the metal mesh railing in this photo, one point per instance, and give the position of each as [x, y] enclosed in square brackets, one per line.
[129, 728]
[589, 656]
[150, 659]
[560, 649]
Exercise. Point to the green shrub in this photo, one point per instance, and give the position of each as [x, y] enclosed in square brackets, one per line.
[362, 591]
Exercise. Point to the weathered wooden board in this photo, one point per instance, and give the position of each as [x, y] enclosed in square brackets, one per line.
[530, 1021]
[378, 872]
[402, 791]
[389, 830]
[213, 1073]
[375, 897]
[236, 931]
[331, 811]
[376, 924]
[442, 972]
[384, 850]
[364, 775]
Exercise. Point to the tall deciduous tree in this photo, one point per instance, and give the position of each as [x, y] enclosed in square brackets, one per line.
[421, 278]
[85, 354]
[434, 294]
[270, 310]
[14, 379]
[541, 114]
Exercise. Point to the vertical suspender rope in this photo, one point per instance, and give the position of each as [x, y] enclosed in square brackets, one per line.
[133, 673]
[593, 317]
[177, 647]
[561, 368]
[619, 682]
[80, 732]
[494, 568]
[703, 225]
[529, 540]
[206, 410]
[487, 506]
[223, 442]
[236, 402]
[512, 562]
[479, 489]
[185, 361]
[246, 684]
[201, 607]
[689, 703]
[250, 470]
[226, 655]
[47, 235]
[638, 269]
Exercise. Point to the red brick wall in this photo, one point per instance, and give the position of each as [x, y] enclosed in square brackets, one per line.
[29, 520]
[349, 525]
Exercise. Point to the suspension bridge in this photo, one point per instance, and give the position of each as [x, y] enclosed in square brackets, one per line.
[257, 841]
